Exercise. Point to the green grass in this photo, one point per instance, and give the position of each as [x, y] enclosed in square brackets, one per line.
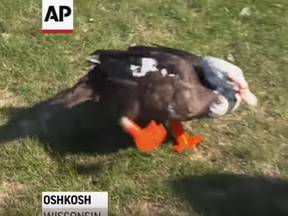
[35, 66]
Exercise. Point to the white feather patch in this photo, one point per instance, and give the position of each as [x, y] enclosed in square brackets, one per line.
[148, 65]
[164, 72]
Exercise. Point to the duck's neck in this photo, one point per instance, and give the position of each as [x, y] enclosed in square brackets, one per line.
[198, 65]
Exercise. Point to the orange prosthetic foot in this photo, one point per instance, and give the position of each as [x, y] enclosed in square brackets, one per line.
[183, 139]
[147, 139]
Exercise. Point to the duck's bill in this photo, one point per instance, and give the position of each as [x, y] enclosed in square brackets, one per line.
[249, 97]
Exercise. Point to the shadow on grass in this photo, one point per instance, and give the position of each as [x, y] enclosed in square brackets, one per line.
[234, 195]
[85, 128]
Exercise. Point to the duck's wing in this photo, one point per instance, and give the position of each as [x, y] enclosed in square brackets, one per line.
[134, 65]
[172, 63]
[194, 59]
[119, 66]
[130, 66]
[104, 57]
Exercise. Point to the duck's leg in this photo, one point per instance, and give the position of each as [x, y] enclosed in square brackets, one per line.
[183, 139]
[146, 139]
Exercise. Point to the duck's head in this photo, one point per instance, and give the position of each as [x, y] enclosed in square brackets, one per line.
[228, 80]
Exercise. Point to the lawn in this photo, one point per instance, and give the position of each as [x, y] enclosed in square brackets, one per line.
[70, 151]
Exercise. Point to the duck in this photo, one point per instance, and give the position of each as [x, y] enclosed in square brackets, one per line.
[159, 83]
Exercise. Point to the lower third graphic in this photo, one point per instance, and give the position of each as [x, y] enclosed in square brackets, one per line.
[74, 203]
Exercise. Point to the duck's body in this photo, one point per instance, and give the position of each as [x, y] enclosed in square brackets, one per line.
[161, 83]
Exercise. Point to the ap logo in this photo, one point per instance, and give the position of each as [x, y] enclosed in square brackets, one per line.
[57, 16]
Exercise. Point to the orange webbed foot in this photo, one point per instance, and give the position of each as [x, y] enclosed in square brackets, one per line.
[186, 142]
[147, 139]
[183, 139]
[150, 137]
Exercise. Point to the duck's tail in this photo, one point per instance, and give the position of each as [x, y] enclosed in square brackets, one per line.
[82, 91]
